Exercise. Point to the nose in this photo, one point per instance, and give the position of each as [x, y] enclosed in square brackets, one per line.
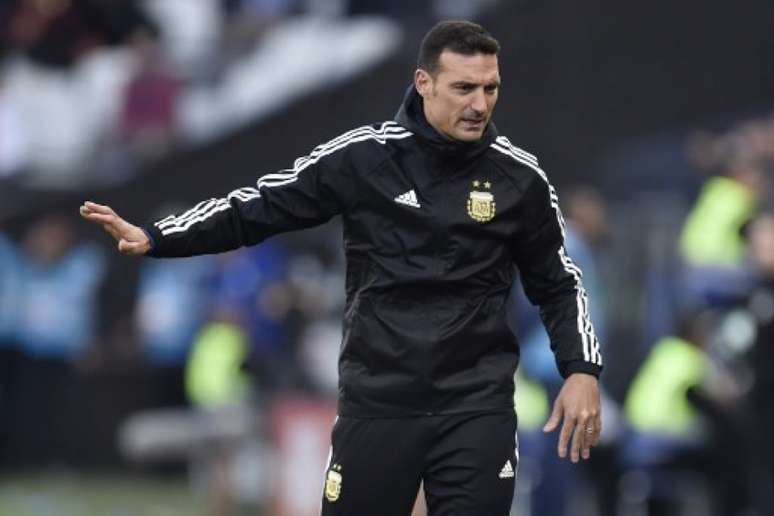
[478, 102]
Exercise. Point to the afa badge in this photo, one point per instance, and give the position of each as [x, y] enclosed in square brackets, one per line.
[481, 204]
[333, 483]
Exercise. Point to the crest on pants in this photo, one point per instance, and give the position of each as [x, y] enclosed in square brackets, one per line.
[481, 203]
[333, 483]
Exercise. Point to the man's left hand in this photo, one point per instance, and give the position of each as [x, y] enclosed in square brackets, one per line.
[578, 404]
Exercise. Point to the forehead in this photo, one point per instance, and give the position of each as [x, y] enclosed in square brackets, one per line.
[477, 68]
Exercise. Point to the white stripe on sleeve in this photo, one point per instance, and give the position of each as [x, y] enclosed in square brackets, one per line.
[206, 209]
[591, 352]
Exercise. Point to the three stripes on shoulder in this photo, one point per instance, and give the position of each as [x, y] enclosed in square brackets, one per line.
[206, 209]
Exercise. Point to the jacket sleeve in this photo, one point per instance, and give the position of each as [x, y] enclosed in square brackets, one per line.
[553, 282]
[316, 188]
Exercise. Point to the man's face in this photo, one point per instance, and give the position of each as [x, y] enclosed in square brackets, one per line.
[460, 98]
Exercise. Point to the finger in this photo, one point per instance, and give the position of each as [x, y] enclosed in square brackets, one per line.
[99, 208]
[129, 248]
[124, 246]
[564, 436]
[107, 222]
[588, 430]
[85, 211]
[553, 421]
[578, 436]
[99, 218]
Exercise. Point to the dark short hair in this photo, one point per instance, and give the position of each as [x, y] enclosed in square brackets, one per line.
[458, 36]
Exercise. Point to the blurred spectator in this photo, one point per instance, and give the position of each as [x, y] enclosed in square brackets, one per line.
[712, 233]
[58, 281]
[147, 124]
[250, 287]
[249, 283]
[171, 305]
[149, 117]
[215, 374]
[237, 359]
[61, 277]
[680, 407]
[657, 402]
[666, 426]
[711, 243]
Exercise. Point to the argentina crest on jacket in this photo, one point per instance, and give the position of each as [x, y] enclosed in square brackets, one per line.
[333, 483]
[481, 203]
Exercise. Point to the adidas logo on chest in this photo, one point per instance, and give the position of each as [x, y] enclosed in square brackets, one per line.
[408, 199]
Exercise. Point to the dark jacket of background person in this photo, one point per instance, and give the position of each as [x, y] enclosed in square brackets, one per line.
[432, 230]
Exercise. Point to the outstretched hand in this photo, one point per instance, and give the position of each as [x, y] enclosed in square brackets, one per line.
[131, 239]
[578, 404]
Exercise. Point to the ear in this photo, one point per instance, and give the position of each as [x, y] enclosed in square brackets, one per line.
[423, 82]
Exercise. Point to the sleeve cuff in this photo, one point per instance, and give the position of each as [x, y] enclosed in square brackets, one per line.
[579, 366]
[153, 236]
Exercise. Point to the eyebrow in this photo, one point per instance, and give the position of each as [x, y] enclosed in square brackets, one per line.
[471, 83]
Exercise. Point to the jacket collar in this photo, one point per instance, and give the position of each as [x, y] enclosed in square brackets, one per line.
[411, 115]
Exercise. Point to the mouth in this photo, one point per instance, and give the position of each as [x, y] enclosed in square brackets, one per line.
[473, 123]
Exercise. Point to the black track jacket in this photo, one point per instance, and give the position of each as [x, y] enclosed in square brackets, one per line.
[432, 231]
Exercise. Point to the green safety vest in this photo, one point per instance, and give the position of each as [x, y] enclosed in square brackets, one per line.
[710, 235]
[213, 374]
[657, 401]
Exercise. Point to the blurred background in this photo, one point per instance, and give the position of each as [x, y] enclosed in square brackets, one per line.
[206, 386]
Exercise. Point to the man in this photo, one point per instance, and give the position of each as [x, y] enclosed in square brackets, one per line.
[436, 210]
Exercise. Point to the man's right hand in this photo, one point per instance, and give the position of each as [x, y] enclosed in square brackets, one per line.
[131, 239]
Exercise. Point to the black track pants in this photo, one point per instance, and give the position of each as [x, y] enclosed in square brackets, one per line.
[467, 462]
